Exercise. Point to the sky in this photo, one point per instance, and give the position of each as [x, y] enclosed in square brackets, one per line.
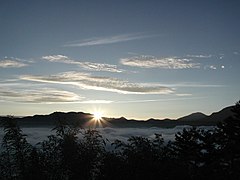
[138, 59]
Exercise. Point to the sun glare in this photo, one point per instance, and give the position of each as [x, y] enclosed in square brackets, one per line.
[97, 120]
[97, 115]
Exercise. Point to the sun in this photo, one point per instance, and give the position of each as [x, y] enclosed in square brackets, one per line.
[97, 119]
[97, 115]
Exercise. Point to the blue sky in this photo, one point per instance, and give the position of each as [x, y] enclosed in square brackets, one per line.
[137, 59]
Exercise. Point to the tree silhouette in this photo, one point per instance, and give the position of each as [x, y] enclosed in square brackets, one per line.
[141, 157]
[35, 171]
[113, 167]
[195, 150]
[92, 150]
[15, 151]
[228, 141]
[69, 146]
[187, 147]
[59, 154]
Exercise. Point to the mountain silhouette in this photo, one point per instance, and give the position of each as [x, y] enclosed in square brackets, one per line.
[82, 119]
[193, 117]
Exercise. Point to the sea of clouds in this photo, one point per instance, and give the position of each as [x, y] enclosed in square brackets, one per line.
[35, 135]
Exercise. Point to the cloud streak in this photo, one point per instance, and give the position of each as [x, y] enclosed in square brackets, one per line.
[100, 83]
[43, 95]
[11, 63]
[212, 67]
[90, 66]
[108, 40]
[199, 56]
[161, 63]
[96, 102]
[158, 100]
[194, 85]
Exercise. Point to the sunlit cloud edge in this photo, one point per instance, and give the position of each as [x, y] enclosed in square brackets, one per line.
[87, 81]
[90, 66]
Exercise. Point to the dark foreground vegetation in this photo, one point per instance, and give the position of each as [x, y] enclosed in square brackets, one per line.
[195, 154]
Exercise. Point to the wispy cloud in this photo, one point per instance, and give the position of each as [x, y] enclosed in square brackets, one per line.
[43, 95]
[158, 100]
[163, 63]
[91, 66]
[199, 56]
[213, 67]
[100, 67]
[194, 85]
[183, 94]
[12, 63]
[108, 40]
[59, 59]
[87, 81]
[97, 102]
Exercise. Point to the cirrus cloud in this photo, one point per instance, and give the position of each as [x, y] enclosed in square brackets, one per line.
[91, 66]
[97, 102]
[162, 63]
[101, 83]
[58, 58]
[199, 56]
[43, 95]
[108, 40]
[11, 63]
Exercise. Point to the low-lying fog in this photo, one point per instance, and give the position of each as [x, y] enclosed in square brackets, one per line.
[35, 135]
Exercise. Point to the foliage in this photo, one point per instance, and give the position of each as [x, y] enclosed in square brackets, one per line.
[228, 140]
[92, 149]
[15, 151]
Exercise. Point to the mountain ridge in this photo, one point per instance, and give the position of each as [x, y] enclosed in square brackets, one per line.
[82, 119]
[193, 116]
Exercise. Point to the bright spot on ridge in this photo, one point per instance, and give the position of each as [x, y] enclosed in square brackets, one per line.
[97, 115]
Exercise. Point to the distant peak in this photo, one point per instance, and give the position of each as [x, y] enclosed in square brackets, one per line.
[122, 118]
[193, 116]
[198, 114]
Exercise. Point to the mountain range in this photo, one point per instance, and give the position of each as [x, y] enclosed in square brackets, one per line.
[86, 120]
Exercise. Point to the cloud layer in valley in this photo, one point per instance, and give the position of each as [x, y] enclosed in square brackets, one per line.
[35, 135]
